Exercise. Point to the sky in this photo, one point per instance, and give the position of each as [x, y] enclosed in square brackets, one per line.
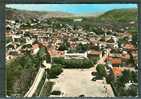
[71, 8]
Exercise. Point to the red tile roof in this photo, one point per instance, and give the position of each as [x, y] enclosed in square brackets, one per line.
[129, 46]
[56, 53]
[114, 60]
[94, 52]
[117, 71]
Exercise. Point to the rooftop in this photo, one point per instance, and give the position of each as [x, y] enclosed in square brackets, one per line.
[117, 71]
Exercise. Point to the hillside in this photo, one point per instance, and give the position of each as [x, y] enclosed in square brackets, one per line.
[22, 14]
[119, 18]
[120, 15]
[115, 19]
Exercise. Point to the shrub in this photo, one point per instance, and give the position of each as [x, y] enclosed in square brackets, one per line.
[55, 70]
[94, 79]
[59, 60]
[93, 73]
[132, 91]
[82, 95]
[56, 92]
[101, 70]
[110, 78]
[94, 60]
[8, 39]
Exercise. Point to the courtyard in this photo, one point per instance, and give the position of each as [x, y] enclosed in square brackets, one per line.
[76, 82]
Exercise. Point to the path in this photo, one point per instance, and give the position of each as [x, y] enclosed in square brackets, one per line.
[37, 80]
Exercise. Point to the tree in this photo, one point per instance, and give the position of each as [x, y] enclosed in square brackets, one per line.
[64, 45]
[55, 70]
[132, 91]
[126, 76]
[8, 39]
[19, 73]
[81, 48]
[101, 70]
[94, 59]
[12, 74]
[110, 78]
[134, 76]
[59, 60]
[135, 39]
[20, 70]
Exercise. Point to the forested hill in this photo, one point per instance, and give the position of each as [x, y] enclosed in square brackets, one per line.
[120, 15]
[119, 18]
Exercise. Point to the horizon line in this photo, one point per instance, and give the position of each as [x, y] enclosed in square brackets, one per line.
[71, 8]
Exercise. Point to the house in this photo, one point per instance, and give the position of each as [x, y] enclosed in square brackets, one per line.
[94, 53]
[82, 42]
[10, 46]
[129, 46]
[117, 71]
[102, 39]
[125, 56]
[115, 61]
[132, 22]
[73, 44]
[78, 20]
[93, 40]
[55, 53]
[115, 52]
[16, 38]
[111, 40]
[75, 55]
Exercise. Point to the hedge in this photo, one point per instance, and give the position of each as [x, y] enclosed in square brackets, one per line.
[74, 63]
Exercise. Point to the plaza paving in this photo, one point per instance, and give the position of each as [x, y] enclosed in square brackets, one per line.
[76, 82]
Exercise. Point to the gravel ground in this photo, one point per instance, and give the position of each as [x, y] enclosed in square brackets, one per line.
[76, 82]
